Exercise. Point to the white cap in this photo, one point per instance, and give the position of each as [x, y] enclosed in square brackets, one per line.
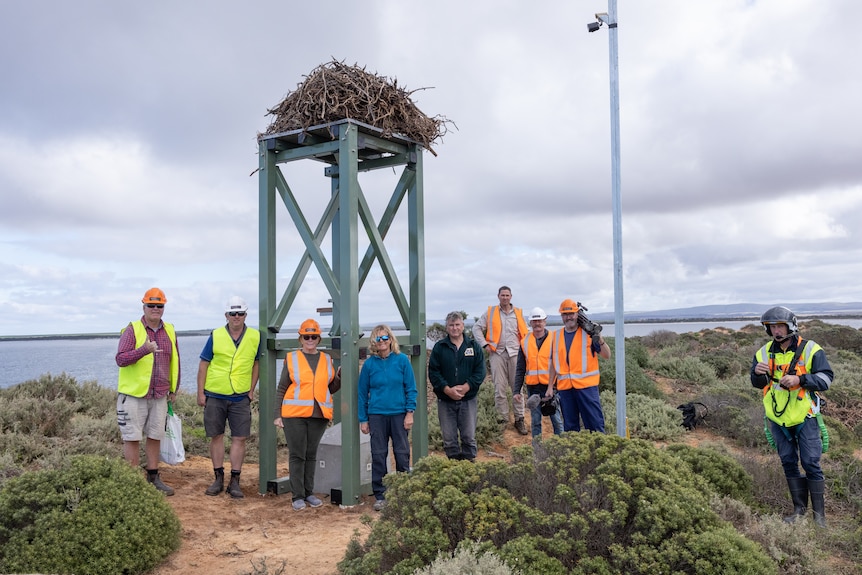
[538, 313]
[236, 303]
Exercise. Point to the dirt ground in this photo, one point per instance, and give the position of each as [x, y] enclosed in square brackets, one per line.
[229, 537]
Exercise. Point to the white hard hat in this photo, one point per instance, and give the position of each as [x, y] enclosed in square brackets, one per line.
[538, 313]
[236, 303]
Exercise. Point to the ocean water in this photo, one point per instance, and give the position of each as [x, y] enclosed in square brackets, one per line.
[93, 359]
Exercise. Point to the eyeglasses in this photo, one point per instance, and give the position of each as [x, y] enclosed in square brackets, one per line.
[380, 338]
[309, 337]
[236, 313]
[155, 305]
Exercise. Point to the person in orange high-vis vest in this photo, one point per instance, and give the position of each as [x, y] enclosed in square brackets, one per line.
[500, 331]
[304, 408]
[575, 368]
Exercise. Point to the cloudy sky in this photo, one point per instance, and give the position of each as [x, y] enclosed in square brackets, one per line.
[128, 133]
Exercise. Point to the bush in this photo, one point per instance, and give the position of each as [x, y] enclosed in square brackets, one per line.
[637, 381]
[722, 472]
[93, 516]
[469, 559]
[577, 503]
[647, 418]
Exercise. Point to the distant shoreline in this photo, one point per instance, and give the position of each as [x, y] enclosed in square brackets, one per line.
[551, 322]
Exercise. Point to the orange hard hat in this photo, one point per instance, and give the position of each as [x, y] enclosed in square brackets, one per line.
[568, 306]
[309, 327]
[154, 295]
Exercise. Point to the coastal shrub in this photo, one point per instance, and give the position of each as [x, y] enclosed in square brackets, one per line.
[659, 338]
[577, 503]
[648, 418]
[95, 516]
[468, 559]
[723, 473]
[686, 368]
[637, 380]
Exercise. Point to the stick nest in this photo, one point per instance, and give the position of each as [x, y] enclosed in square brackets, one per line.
[335, 91]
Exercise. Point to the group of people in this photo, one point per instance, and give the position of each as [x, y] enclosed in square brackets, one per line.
[557, 369]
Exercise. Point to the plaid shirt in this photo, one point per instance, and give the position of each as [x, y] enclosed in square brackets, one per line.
[127, 354]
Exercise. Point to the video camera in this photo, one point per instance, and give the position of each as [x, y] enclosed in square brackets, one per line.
[593, 329]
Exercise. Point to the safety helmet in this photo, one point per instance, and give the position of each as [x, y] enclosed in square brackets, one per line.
[538, 313]
[568, 306]
[236, 303]
[309, 327]
[154, 295]
[779, 314]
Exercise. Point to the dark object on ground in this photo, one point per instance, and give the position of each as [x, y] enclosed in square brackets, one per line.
[693, 414]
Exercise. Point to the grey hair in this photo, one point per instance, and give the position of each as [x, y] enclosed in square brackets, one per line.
[453, 315]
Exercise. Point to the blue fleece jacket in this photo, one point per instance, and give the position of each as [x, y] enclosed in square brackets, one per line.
[386, 386]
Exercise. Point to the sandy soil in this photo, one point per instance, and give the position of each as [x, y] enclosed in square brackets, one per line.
[223, 535]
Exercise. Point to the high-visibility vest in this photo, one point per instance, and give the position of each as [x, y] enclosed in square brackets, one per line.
[494, 327]
[231, 368]
[576, 367]
[538, 359]
[134, 379]
[787, 407]
[306, 386]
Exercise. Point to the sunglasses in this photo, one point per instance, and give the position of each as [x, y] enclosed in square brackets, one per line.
[236, 313]
[155, 305]
[380, 338]
[309, 337]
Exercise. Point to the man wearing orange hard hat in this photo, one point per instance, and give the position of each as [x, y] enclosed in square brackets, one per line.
[149, 362]
[575, 366]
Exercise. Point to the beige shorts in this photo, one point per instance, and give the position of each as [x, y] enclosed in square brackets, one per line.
[139, 416]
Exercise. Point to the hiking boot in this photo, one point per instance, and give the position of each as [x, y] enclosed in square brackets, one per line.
[298, 505]
[233, 487]
[379, 504]
[156, 482]
[218, 485]
[521, 426]
[313, 501]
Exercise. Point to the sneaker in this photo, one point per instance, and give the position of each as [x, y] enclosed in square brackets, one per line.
[156, 482]
[298, 505]
[521, 426]
[379, 504]
[313, 501]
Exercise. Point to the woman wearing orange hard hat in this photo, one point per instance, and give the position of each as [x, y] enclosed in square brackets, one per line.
[304, 408]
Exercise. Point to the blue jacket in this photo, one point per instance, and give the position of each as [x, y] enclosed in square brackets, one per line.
[449, 366]
[386, 386]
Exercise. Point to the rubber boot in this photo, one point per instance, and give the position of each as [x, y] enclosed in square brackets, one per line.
[218, 485]
[233, 487]
[799, 495]
[816, 488]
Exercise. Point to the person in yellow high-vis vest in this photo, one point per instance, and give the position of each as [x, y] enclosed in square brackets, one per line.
[149, 362]
[227, 376]
[790, 371]
[500, 331]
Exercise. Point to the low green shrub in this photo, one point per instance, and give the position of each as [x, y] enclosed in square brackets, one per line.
[648, 418]
[577, 503]
[92, 516]
[723, 473]
[468, 559]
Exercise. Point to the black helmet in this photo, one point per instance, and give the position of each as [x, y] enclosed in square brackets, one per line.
[779, 314]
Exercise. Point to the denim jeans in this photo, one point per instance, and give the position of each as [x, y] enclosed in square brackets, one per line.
[803, 445]
[578, 404]
[383, 428]
[459, 417]
[536, 419]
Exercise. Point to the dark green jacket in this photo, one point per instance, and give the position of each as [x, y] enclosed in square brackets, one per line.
[452, 366]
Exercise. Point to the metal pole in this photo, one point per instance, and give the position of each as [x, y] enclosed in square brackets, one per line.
[619, 308]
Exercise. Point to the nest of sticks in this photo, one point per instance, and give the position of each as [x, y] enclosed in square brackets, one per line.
[335, 91]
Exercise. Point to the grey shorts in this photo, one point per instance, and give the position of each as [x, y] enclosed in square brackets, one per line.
[139, 417]
[237, 414]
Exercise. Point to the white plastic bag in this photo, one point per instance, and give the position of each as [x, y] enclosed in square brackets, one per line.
[172, 451]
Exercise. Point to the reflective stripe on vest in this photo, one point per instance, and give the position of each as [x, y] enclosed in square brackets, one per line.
[787, 407]
[231, 368]
[307, 387]
[494, 328]
[538, 360]
[582, 369]
[135, 379]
